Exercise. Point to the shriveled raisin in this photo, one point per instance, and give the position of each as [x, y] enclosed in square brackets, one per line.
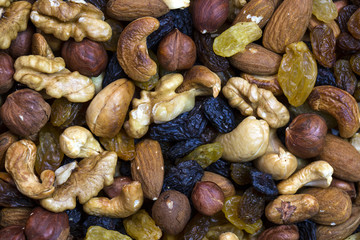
[182, 148]
[344, 16]
[215, 232]
[142, 227]
[307, 230]
[323, 44]
[99, 233]
[241, 173]
[166, 24]
[100, 4]
[252, 205]
[264, 183]
[219, 114]
[355, 63]
[325, 77]
[182, 20]
[347, 42]
[113, 71]
[209, 134]
[206, 154]
[206, 54]
[345, 78]
[105, 222]
[220, 167]
[116, 27]
[64, 112]
[324, 10]
[122, 144]
[11, 197]
[353, 24]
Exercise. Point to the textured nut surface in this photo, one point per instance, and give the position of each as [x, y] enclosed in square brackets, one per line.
[225, 184]
[6, 139]
[266, 82]
[258, 11]
[6, 72]
[283, 232]
[39, 46]
[14, 216]
[115, 189]
[21, 45]
[207, 197]
[106, 112]
[25, 112]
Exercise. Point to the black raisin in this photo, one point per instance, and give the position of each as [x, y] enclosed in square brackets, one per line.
[240, 173]
[219, 114]
[100, 4]
[307, 230]
[105, 222]
[252, 205]
[183, 177]
[182, 148]
[166, 25]
[113, 71]
[344, 15]
[209, 134]
[220, 167]
[11, 197]
[263, 183]
[76, 216]
[188, 125]
[325, 77]
[125, 168]
[182, 20]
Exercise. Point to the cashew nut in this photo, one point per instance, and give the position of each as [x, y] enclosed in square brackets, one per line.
[132, 52]
[125, 204]
[78, 142]
[339, 104]
[19, 162]
[316, 174]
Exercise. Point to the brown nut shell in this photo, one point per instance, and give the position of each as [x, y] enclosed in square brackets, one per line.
[176, 51]
[282, 232]
[21, 45]
[305, 136]
[115, 189]
[208, 198]
[171, 211]
[13, 233]
[25, 112]
[225, 184]
[106, 112]
[6, 139]
[348, 187]
[6, 72]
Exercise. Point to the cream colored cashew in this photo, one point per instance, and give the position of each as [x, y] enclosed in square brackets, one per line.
[19, 162]
[176, 4]
[78, 142]
[316, 174]
[125, 204]
[355, 141]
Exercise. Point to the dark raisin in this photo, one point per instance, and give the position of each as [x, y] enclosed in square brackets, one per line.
[263, 183]
[188, 125]
[219, 114]
[100, 4]
[183, 177]
[209, 134]
[113, 71]
[345, 78]
[252, 205]
[75, 221]
[220, 167]
[183, 20]
[182, 148]
[240, 173]
[125, 168]
[11, 197]
[323, 43]
[307, 230]
[355, 2]
[325, 77]
[206, 54]
[348, 43]
[344, 16]
[166, 25]
[105, 222]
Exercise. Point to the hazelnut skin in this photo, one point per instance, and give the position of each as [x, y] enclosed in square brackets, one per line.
[305, 136]
[209, 15]
[12, 233]
[21, 45]
[282, 232]
[6, 72]
[171, 211]
[207, 198]
[115, 189]
[25, 112]
[87, 57]
[176, 51]
[43, 224]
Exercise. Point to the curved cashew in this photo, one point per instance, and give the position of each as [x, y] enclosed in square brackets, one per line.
[78, 142]
[339, 104]
[127, 203]
[316, 174]
[280, 165]
[132, 52]
[19, 162]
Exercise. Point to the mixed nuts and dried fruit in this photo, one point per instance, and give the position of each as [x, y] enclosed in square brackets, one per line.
[180, 119]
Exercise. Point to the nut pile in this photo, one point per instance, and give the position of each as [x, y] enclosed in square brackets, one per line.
[180, 119]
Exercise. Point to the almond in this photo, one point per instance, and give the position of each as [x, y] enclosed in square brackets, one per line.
[258, 11]
[148, 168]
[287, 25]
[343, 157]
[225, 184]
[256, 60]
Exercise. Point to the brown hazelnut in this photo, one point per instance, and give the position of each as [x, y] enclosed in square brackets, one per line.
[21, 45]
[282, 232]
[87, 57]
[6, 72]
[43, 224]
[348, 187]
[25, 112]
[176, 51]
[305, 136]
[209, 15]
[115, 189]
[208, 198]
[171, 211]
[12, 233]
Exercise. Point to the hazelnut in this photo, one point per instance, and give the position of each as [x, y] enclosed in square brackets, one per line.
[6, 72]
[348, 187]
[43, 224]
[12, 233]
[282, 232]
[171, 211]
[21, 45]
[25, 112]
[209, 15]
[305, 136]
[176, 51]
[208, 198]
[115, 189]
[87, 57]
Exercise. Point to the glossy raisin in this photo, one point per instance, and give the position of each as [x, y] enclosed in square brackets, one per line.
[345, 78]
[182, 148]
[241, 173]
[323, 44]
[122, 144]
[183, 177]
[166, 25]
[355, 63]
[355, 2]
[206, 54]
[209, 134]
[325, 77]
[348, 43]
[64, 112]
[182, 20]
[357, 92]
[206, 154]
[324, 10]
[11, 197]
[353, 24]
[116, 27]
[99, 233]
[252, 206]
[344, 16]
[307, 230]
[219, 114]
[142, 227]
[113, 71]
[220, 167]
[264, 183]
[187, 125]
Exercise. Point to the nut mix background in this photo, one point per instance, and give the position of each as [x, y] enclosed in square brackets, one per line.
[180, 119]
